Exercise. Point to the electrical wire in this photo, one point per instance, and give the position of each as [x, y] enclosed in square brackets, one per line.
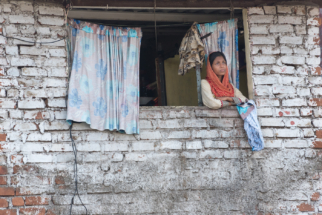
[32, 41]
[75, 173]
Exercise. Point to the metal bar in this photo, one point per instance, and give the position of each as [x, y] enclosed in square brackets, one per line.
[145, 16]
[247, 53]
[157, 8]
[199, 84]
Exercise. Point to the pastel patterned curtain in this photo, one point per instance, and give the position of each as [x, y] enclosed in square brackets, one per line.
[224, 38]
[321, 37]
[104, 81]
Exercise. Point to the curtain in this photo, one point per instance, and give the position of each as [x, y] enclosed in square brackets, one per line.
[104, 80]
[321, 37]
[224, 38]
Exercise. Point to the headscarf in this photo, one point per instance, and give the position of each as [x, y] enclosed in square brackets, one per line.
[219, 89]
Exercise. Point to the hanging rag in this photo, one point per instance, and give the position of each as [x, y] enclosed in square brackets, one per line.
[248, 113]
[191, 51]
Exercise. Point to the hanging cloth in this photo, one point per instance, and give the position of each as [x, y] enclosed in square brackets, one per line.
[104, 80]
[191, 51]
[248, 113]
[218, 88]
[223, 37]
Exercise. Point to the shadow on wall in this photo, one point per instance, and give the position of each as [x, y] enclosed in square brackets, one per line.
[274, 181]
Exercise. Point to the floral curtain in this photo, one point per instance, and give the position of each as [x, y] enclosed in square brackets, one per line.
[224, 38]
[321, 37]
[104, 81]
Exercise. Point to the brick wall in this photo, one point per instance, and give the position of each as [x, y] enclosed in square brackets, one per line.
[186, 160]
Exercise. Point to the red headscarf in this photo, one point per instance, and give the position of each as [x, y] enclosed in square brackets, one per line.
[219, 89]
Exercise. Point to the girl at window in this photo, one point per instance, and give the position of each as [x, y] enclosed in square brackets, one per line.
[217, 92]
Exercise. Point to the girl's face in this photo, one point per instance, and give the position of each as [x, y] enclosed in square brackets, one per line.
[219, 66]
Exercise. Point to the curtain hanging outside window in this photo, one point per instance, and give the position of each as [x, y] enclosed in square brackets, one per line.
[104, 80]
[224, 38]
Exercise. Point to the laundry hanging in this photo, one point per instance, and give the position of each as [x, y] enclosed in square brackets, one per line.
[191, 51]
[223, 37]
[104, 80]
[248, 112]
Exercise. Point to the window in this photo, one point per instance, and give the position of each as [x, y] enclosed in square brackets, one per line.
[160, 83]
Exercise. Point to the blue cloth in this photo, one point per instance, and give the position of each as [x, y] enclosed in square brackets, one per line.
[248, 113]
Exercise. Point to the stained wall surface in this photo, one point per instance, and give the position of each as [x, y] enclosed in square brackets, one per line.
[186, 160]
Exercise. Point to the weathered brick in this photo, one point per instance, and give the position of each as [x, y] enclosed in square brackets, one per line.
[194, 144]
[274, 122]
[36, 200]
[13, 71]
[7, 191]
[9, 212]
[296, 122]
[294, 20]
[221, 123]
[281, 28]
[57, 52]
[135, 157]
[174, 123]
[313, 60]
[179, 135]
[296, 143]
[6, 103]
[263, 79]
[150, 135]
[191, 123]
[313, 31]
[15, 61]
[317, 122]
[145, 114]
[291, 40]
[315, 102]
[21, 19]
[142, 146]
[287, 132]
[294, 102]
[56, 82]
[257, 60]
[294, 81]
[31, 104]
[171, 144]
[51, 10]
[284, 9]
[270, 9]
[306, 112]
[255, 10]
[34, 211]
[261, 19]
[273, 143]
[56, 103]
[18, 201]
[283, 69]
[283, 90]
[314, 21]
[258, 29]
[49, 20]
[267, 102]
[55, 62]
[300, 29]
[265, 112]
[40, 93]
[210, 154]
[261, 40]
[293, 60]
[215, 144]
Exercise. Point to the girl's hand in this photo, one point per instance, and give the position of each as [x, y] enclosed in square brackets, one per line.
[225, 98]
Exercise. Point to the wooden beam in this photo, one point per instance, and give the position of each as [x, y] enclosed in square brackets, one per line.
[249, 66]
[140, 16]
[182, 3]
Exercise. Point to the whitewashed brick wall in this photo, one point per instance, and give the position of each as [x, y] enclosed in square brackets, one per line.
[186, 160]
